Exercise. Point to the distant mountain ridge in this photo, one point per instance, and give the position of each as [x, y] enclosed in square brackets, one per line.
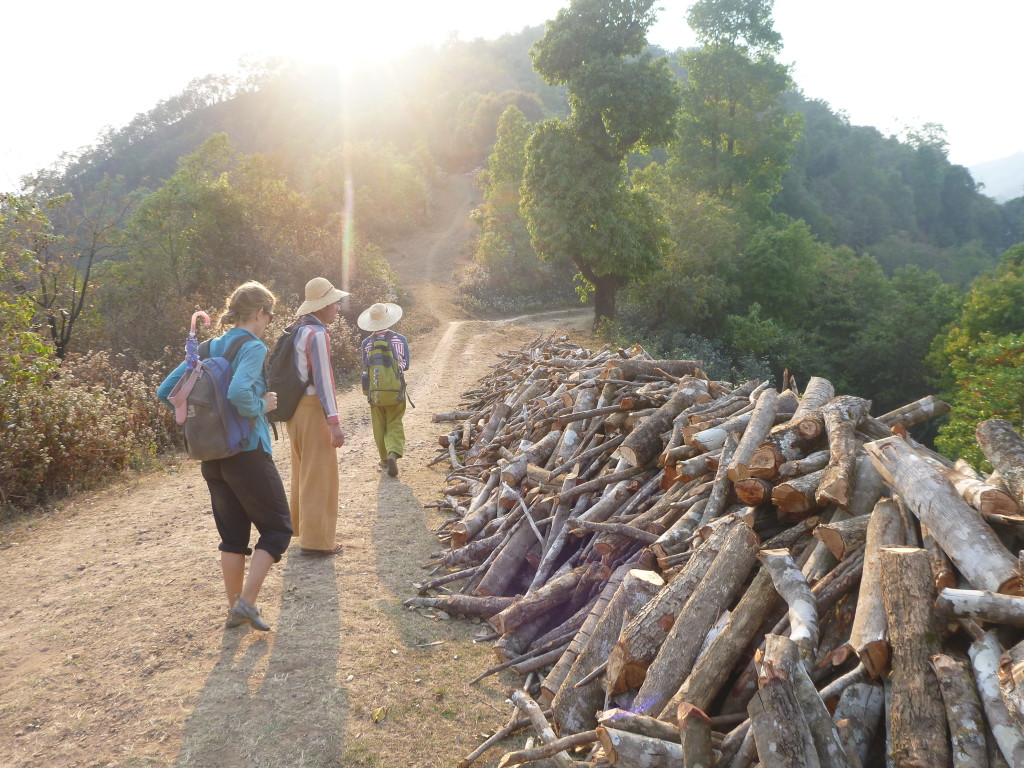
[1003, 178]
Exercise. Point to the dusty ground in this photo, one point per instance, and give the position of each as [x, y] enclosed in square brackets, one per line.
[112, 646]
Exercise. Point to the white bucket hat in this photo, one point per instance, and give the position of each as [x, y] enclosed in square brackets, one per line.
[320, 292]
[379, 316]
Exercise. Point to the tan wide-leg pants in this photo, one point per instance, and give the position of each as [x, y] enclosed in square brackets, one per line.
[314, 486]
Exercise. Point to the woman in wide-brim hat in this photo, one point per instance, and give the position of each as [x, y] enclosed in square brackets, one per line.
[386, 408]
[315, 431]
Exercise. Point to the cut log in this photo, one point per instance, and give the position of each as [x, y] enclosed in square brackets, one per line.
[963, 712]
[556, 592]
[712, 671]
[761, 421]
[844, 536]
[632, 369]
[548, 750]
[803, 611]
[981, 605]
[861, 707]
[712, 595]
[631, 750]
[869, 636]
[985, 653]
[695, 737]
[797, 498]
[1004, 449]
[644, 634]
[841, 415]
[958, 528]
[532, 710]
[917, 716]
[463, 605]
[914, 413]
[779, 727]
[644, 443]
[574, 709]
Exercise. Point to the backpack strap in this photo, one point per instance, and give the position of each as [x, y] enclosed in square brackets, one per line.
[229, 353]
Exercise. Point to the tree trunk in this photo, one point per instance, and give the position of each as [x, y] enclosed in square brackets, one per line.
[631, 750]
[869, 636]
[574, 709]
[842, 415]
[644, 443]
[958, 528]
[643, 636]
[714, 593]
[917, 718]
[1004, 449]
[963, 712]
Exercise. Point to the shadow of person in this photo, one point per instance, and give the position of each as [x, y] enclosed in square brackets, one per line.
[272, 698]
[400, 536]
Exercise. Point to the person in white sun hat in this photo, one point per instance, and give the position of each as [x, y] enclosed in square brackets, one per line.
[315, 431]
[385, 361]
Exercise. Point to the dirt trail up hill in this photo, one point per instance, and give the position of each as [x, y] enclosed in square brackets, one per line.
[112, 646]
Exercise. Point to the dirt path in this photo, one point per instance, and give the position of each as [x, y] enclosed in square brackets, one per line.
[112, 648]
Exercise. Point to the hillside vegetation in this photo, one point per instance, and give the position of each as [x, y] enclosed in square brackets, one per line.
[696, 198]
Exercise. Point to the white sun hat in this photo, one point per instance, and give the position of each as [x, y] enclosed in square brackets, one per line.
[320, 292]
[379, 316]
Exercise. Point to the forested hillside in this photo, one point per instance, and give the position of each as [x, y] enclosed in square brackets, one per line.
[696, 198]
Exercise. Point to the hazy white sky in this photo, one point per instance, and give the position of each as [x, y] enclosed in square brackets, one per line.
[73, 68]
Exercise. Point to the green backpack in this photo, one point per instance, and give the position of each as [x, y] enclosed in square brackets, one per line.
[383, 381]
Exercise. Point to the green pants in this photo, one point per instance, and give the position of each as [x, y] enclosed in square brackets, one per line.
[388, 430]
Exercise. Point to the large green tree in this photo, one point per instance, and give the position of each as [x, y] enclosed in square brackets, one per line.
[577, 197]
[735, 133]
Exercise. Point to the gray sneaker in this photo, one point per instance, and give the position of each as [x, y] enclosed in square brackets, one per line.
[232, 621]
[249, 613]
[393, 464]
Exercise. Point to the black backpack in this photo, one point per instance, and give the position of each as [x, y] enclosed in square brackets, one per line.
[283, 376]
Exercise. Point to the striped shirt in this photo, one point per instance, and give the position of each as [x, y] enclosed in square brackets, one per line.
[313, 361]
[399, 345]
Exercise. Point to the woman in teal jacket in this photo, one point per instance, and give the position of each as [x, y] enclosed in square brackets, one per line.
[246, 489]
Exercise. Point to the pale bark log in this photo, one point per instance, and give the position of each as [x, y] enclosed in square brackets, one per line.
[862, 706]
[785, 654]
[842, 415]
[780, 729]
[713, 594]
[963, 712]
[917, 718]
[988, 499]
[463, 605]
[630, 750]
[803, 610]
[532, 710]
[1004, 449]
[538, 453]
[548, 750]
[985, 653]
[574, 709]
[868, 489]
[1011, 682]
[959, 528]
[914, 413]
[981, 605]
[761, 421]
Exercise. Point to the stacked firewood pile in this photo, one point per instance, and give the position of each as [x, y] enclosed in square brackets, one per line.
[692, 573]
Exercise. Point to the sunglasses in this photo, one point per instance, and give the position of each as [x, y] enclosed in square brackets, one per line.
[269, 314]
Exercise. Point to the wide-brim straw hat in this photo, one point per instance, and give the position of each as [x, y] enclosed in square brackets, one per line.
[379, 316]
[320, 292]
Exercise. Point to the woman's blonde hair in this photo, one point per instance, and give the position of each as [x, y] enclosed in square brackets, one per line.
[245, 301]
